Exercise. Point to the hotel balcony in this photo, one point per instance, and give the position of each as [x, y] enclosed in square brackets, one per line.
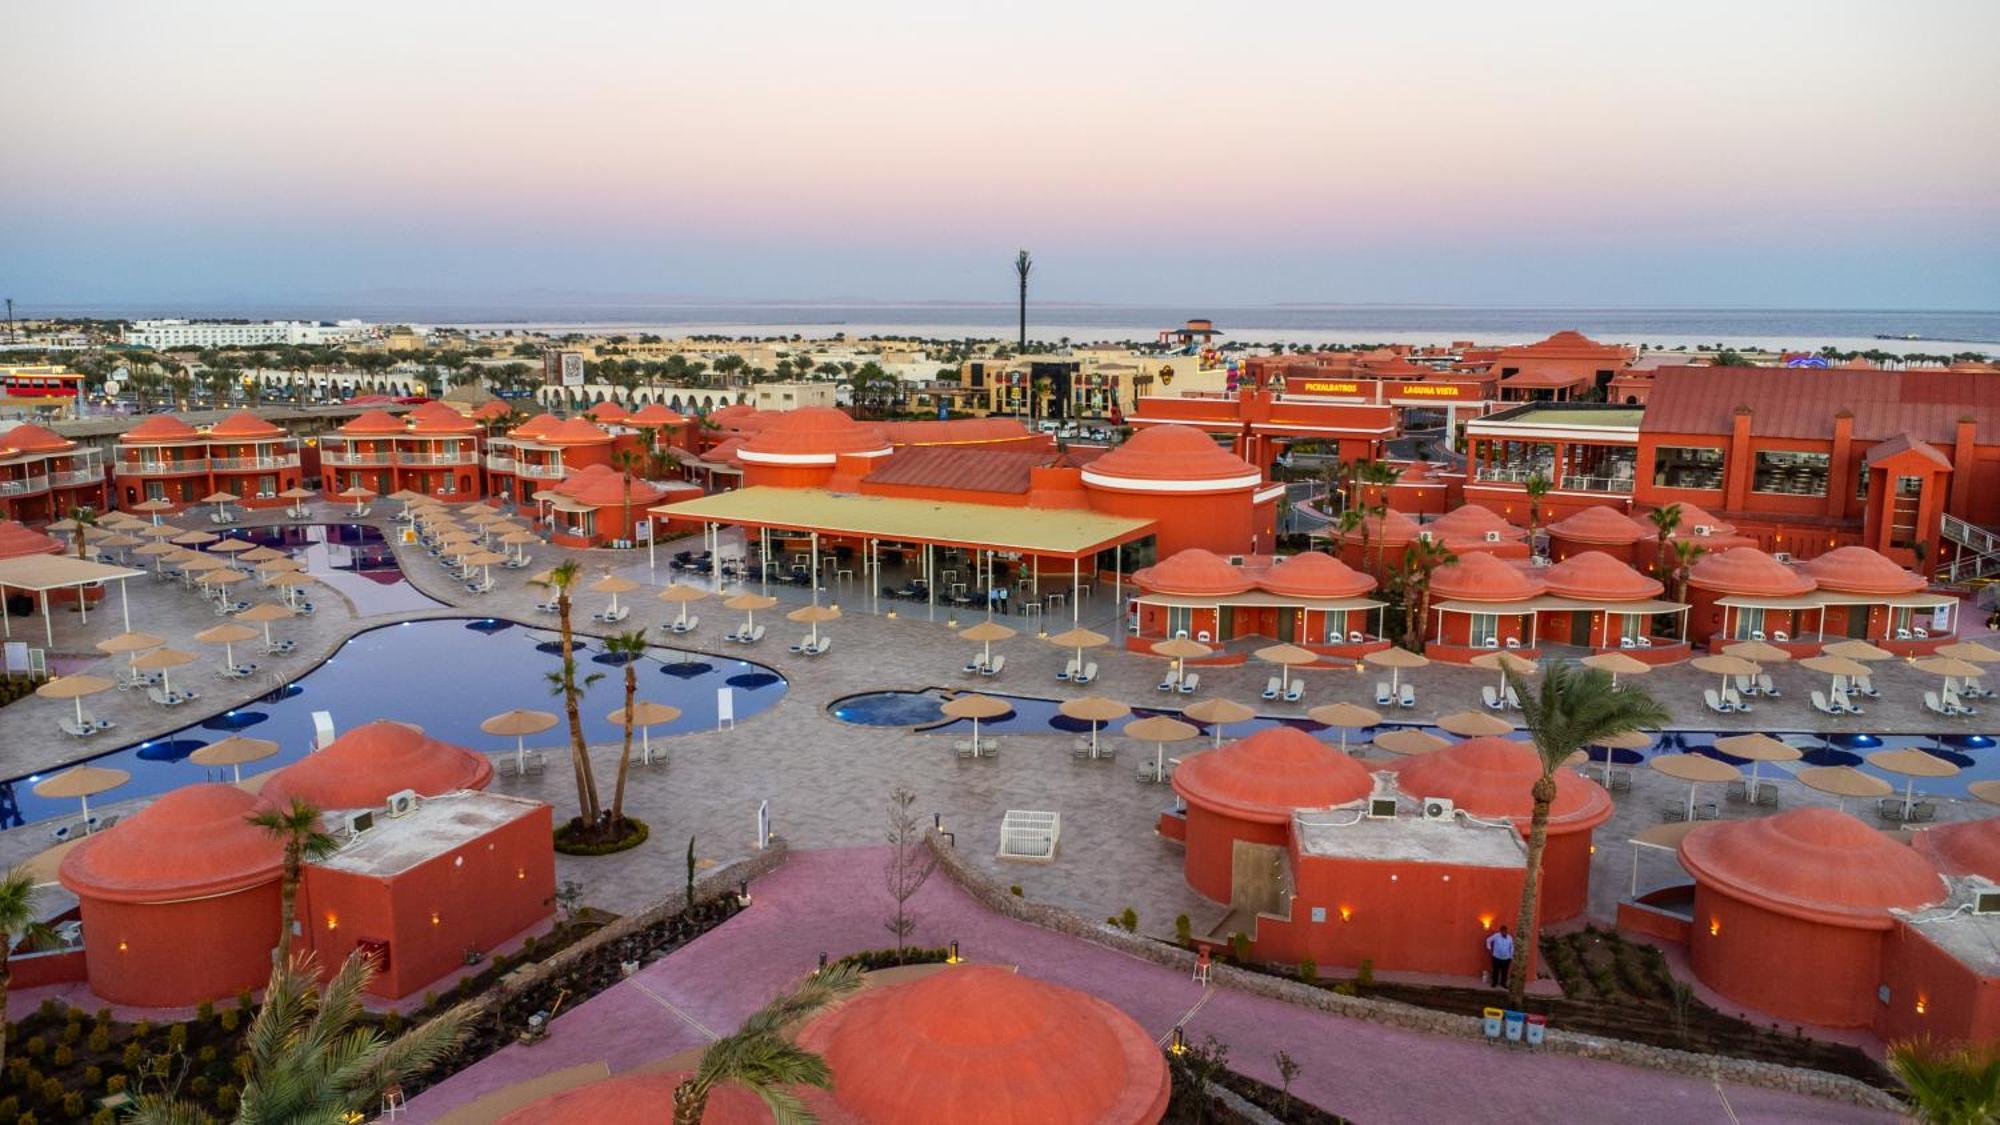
[24, 486]
[540, 472]
[162, 468]
[331, 456]
[70, 478]
[244, 464]
[449, 457]
[500, 464]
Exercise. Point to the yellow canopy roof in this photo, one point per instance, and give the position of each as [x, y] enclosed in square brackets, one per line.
[57, 572]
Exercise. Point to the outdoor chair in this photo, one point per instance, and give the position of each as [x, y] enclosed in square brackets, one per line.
[1271, 688]
[992, 669]
[1190, 682]
[1406, 698]
[166, 698]
[1745, 685]
[69, 726]
[1645, 642]
[1865, 684]
[1715, 702]
[1356, 636]
[1841, 701]
[1382, 696]
[547, 607]
[1821, 705]
[1735, 699]
[1780, 636]
[1068, 669]
[973, 666]
[1513, 700]
[1765, 686]
[1088, 674]
[1491, 696]
[1168, 680]
[1513, 642]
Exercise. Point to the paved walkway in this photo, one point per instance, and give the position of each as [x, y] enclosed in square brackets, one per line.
[833, 901]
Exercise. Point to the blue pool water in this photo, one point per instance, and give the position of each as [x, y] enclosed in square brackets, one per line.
[446, 676]
[1976, 755]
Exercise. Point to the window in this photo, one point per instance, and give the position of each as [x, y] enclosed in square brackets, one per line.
[1485, 627]
[1748, 621]
[1336, 624]
[1791, 474]
[1180, 619]
[1683, 466]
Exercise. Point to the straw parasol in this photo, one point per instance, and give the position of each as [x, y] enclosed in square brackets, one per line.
[263, 554]
[1160, 730]
[233, 752]
[749, 603]
[1623, 740]
[1724, 666]
[1695, 769]
[614, 585]
[679, 593]
[357, 494]
[194, 538]
[645, 716]
[814, 615]
[1504, 662]
[1409, 742]
[973, 706]
[162, 660]
[518, 724]
[1759, 748]
[1345, 716]
[485, 560]
[1913, 764]
[1180, 650]
[161, 531]
[1618, 664]
[228, 634]
[154, 507]
[83, 783]
[74, 688]
[1079, 639]
[1949, 668]
[1857, 650]
[1959, 650]
[1760, 652]
[119, 541]
[1287, 657]
[985, 633]
[197, 562]
[405, 495]
[44, 867]
[1218, 713]
[1095, 710]
[1475, 724]
[129, 643]
[1843, 782]
[1987, 791]
[263, 614]
[1835, 666]
[1395, 660]
[221, 577]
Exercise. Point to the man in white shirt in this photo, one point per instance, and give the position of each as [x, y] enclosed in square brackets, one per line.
[1500, 946]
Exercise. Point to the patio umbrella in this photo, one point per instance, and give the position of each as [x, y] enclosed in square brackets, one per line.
[973, 706]
[1180, 650]
[1078, 639]
[1987, 791]
[1724, 666]
[194, 538]
[750, 603]
[161, 531]
[120, 520]
[1913, 764]
[296, 495]
[262, 554]
[199, 563]
[1971, 651]
[1505, 662]
[480, 517]
[1095, 710]
[1408, 742]
[1843, 782]
[985, 633]
[222, 576]
[232, 547]
[357, 494]
[405, 496]
[1758, 748]
[44, 867]
[228, 634]
[1475, 724]
[1857, 650]
[680, 593]
[1618, 664]
[263, 614]
[1760, 652]
[1160, 730]
[1395, 660]
[74, 688]
[233, 752]
[519, 540]
[118, 541]
[614, 585]
[644, 716]
[83, 783]
[158, 552]
[131, 644]
[485, 561]
[1287, 657]
[153, 507]
[1834, 666]
[1950, 668]
[1346, 716]
[1218, 713]
[162, 660]
[221, 500]
[813, 615]
[1624, 740]
[518, 724]
[1695, 769]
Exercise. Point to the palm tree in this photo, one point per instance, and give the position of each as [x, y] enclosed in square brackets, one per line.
[83, 517]
[1572, 708]
[761, 1056]
[1665, 522]
[626, 461]
[1421, 560]
[298, 825]
[1948, 1086]
[1352, 520]
[630, 647]
[1686, 551]
[312, 1060]
[563, 578]
[1536, 486]
[18, 920]
[1380, 475]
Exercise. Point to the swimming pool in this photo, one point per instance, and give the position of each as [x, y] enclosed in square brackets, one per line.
[1975, 754]
[446, 676]
[353, 559]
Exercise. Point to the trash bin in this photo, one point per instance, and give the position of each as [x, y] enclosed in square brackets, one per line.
[1538, 1025]
[1493, 1017]
[1515, 1021]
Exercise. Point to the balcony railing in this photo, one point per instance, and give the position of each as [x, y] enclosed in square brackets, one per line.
[541, 472]
[92, 475]
[224, 464]
[1597, 484]
[24, 486]
[462, 457]
[162, 468]
[343, 457]
[500, 464]
[1508, 474]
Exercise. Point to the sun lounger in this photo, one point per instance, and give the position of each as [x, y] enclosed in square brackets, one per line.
[239, 671]
[1088, 674]
[827, 643]
[1735, 699]
[1190, 682]
[1068, 669]
[992, 669]
[1169, 680]
[1407, 697]
[484, 586]
[973, 667]
[69, 726]
[279, 648]
[1491, 695]
[1765, 686]
[166, 698]
[1295, 691]
[1822, 706]
[1382, 696]
[1272, 687]
[1745, 685]
[1715, 702]
[1843, 703]
[1513, 699]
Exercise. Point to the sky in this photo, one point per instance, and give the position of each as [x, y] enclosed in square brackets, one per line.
[1771, 153]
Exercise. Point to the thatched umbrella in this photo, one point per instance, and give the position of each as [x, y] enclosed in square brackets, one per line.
[163, 660]
[1857, 650]
[518, 724]
[1180, 650]
[1618, 664]
[1409, 742]
[974, 707]
[1759, 652]
[1504, 662]
[1345, 716]
[985, 633]
[83, 783]
[814, 615]
[749, 603]
[1843, 782]
[1758, 748]
[1913, 764]
[1475, 724]
[1079, 639]
[1287, 657]
[1724, 666]
[233, 752]
[681, 594]
[1218, 713]
[74, 688]
[644, 716]
[1160, 730]
[228, 634]
[1095, 710]
[1695, 769]
[1395, 660]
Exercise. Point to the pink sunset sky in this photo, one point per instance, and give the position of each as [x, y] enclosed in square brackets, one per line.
[1759, 152]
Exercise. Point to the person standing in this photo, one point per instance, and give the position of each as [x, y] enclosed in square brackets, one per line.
[1500, 947]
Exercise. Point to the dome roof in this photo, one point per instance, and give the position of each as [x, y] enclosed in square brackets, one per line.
[725, 453]
[532, 428]
[604, 487]
[1481, 577]
[1967, 847]
[1267, 775]
[1596, 576]
[572, 431]
[437, 418]
[640, 1098]
[1192, 571]
[1749, 571]
[492, 408]
[159, 428]
[980, 1043]
[956, 431]
[1391, 530]
[607, 411]
[1600, 523]
[1693, 517]
[18, 539]
[1496, 777]
[1858, 570]
[372, 422]
[26, 437]
[1471, 521]
[655, 414]
[1813, 863]
[1316, 574]
[194, 842]
[1181, 454]
[817, 433]
[246, 425]
[362, 767]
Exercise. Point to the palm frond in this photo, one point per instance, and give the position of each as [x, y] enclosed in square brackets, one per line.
[1948, 1085]
[157, 1109]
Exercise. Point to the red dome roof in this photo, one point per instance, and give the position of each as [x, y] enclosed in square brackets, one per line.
[491, 409]
[1748, 571]
[362, 767]
[607, 411]
[1480, 577]
[646, 1098]
[572, 431]
[1193, 571]
[245, 425]
[194, 842]
[1693, 517]
[372, 422]
[1968, 847]
[1316, 574]
[1172, 453]
[983, 1044]
[1471, 521]
[725, 452]
[1596, 576]
[1392, 530]
[655, 414]
[956, 431]
[1601, 523]
[533, 427]
[817, 432]
[1266, 776]
[1858, 570]
[1814, 863]
[437, 418]
[17, 539]
[604, 487]
[159, 428]
[1496, 777]
[30, 438]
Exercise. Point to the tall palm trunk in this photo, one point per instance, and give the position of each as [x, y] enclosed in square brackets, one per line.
[625, 755]
[690, 1103]
[1526, 928]
[288, 895]
[579, 751]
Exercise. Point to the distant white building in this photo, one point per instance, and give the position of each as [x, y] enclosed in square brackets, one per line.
[220, 334]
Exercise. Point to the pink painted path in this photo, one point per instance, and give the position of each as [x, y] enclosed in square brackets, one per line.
[833, 901]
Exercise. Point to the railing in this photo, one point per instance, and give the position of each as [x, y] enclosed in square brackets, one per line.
[92, 475]
[162, 468]
[290, 461]
[1978, 553]
[500, 464]
[542, 472]
[406, 457]
[1507, 474]
[24, 486]
[1597, 484]
[343, 457]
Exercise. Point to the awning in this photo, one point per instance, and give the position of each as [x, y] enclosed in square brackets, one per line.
[41, 573]
[565, 504]
[1820, 599]
[1257, 599]
[1552, 603]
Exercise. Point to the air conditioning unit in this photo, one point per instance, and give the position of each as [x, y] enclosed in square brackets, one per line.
[1493, 537]
[1704, 529]
[1382, 808]
[359, 822]
[403, 803]
[1986, 902]
[1437, 808]
[1425, 535]
[1782, 556]
[1236, 560]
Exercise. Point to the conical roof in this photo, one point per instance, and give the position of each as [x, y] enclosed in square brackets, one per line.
[1966, 847]
[1391, 531]
[1172, 453]
[1858, 570]
[607, 412]
[1495, 777]
[1596, 576]
[1694, 518]
[1316, 574]
[437, 418]
[378, 423]
[159, 428]
[602, 486]
[26, 437]
[18, 539]
[655, 414]
[362, 767]
[1473, 521]
[818, 432]
[245, 426]
[1266, 776]
[573, 431]
[1481, 577]
[194, 842]
[1193, 571]
[532, 429]
[1813, 863]
[1600, 523]
[1747, 571]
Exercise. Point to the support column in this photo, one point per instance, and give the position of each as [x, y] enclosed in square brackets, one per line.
[930, 581]
[711, 537]
[812, 570]
[1075, 588]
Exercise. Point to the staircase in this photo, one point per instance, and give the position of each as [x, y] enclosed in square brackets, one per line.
[1976, 554]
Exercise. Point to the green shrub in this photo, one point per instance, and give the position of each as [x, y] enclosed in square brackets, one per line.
[200, 1086]
[29, 1118]
[1129, 920]
[50, 1009]
[99, 1041]
[115, 1084]
[1309, 971]
[143, 1029]
[17, 1073]
[64, 1057]
[135, 1053]
[93, 1077]
[243, 1001]
[102, 1018]
[177, 1037]
[392, 1024]
[104, 1117]
[226, 1098]
[72, 1031]
[36, 1046]
[1365, 975]
[1239, 947]
[1014, 889]
[243, 1064]
[206, 1012]
[1346, 988]
[73, 1104]
[1183, 929]
[206, 1055]
[53, 1090]
[10, 1107]
[230, 1021]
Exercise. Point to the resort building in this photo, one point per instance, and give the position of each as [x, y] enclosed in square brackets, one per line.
[50, 388]
[1587, 453]
[1417, 394]
[45, 476]
[433, 450]
[165, 458]
[1852, 592]
[1311, 599]
[1259, 426]
[362, 768]
[1561, 368]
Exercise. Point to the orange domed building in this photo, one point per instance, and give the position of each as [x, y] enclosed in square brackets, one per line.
[1865, 595]
[1474, 527]
[44, 475]
[179, 901]
[1246, 792]
[360, 769]
[1603, 528]
[1744, 594]
[1201, 494]
[252, 460]
[1311, 599]
[799, 448]
[1481, 603]
[590, 507]
[1378, 542]
[1606, 605]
